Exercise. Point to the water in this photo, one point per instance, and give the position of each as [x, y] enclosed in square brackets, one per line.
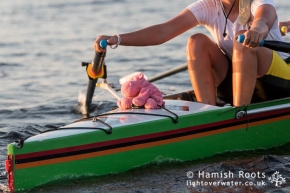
[42, 46]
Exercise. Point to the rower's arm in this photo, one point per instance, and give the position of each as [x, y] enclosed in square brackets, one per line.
[264, 19]
[158, 34]
[153, 35]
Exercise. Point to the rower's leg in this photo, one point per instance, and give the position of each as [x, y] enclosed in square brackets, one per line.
[207, 67]
[248, 65]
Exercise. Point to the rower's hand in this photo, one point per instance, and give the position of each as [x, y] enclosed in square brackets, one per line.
[111, 40]
[252, 38]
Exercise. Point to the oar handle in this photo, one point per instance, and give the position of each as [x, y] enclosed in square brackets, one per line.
[99, 58]
[284, 29]
[271, 44]
[103, 44]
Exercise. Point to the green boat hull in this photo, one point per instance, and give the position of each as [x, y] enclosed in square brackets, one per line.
[200, 134]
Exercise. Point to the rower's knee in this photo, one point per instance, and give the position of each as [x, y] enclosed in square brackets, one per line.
[197, 41]
[242, 51]
[239, 48]
[195, 44]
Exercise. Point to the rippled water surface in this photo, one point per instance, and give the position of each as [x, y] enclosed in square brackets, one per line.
[42, 45]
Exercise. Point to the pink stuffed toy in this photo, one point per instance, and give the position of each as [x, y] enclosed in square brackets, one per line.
[140, 92]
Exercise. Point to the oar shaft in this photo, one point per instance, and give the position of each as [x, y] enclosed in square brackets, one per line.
[90, 93]
[99, 58]
[277, 45]
[168, 73]
[93, 71]
[98, 62]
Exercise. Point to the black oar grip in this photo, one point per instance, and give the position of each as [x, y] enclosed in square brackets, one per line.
[99, 58]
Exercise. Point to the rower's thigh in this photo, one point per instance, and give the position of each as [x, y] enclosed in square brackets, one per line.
[278, 73]
[202, 47]
[275, 83]
[265, 57]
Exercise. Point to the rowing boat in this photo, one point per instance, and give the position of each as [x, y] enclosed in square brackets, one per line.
[119, 140]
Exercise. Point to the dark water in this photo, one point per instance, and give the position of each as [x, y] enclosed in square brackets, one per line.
[42, 44]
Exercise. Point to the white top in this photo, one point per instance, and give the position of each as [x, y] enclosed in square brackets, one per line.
[210, 14]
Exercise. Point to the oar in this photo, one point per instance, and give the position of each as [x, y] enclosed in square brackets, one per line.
[168, 73]
[94, 70]
[271, 44]
[157, 77]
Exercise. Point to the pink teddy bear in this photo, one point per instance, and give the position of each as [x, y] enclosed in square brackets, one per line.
[140, 92]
